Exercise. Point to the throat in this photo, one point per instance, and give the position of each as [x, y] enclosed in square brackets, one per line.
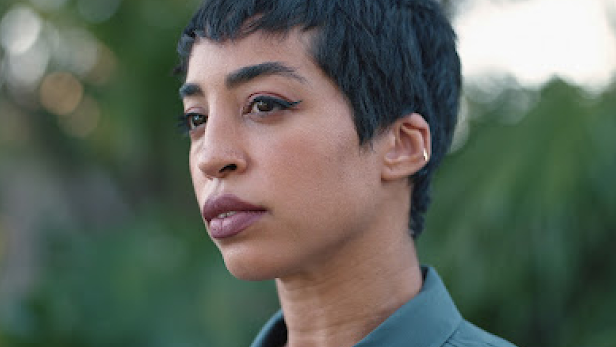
[338, 302]
[343, 313]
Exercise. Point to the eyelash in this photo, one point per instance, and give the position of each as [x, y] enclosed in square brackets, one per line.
[186, 121]
[276, 104]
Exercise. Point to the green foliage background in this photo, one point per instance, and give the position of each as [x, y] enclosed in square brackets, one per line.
[101, 242]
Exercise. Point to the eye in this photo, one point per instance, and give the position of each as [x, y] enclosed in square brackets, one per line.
[192, 120]
[267, 104]
[262, 106]
[196, 119]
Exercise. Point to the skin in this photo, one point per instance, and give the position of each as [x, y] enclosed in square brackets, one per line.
[337, 212]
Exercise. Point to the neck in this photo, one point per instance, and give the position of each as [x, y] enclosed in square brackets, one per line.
[343, 300]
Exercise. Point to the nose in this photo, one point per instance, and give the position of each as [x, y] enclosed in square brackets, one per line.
[219, 152]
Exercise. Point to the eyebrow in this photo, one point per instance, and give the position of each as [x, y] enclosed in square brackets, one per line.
[248, 73]
[244, 75]
[190, 89]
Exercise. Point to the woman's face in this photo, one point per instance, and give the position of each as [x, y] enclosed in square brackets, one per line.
[275, 160]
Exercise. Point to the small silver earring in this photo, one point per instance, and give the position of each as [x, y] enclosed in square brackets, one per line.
[425, 154]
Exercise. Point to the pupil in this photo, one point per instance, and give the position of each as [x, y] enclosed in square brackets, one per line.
[196, 120]
[264, 106]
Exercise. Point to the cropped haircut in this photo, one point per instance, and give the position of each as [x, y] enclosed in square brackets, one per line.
[389, 58]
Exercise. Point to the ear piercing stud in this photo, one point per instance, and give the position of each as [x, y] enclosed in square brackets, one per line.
[425, 155]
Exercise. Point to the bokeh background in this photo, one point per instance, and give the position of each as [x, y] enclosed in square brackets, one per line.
[102, 244]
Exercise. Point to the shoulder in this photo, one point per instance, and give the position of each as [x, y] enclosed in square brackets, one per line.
[469, 335]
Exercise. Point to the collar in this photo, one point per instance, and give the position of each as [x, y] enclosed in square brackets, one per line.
[427, 320]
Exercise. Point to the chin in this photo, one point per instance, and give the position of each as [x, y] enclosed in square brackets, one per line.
[253, 267]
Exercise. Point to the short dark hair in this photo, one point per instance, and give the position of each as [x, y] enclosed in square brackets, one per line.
[389, 58]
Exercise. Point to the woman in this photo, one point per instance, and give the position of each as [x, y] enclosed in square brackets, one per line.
[315, 129]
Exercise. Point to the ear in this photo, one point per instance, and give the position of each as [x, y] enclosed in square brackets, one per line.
[407, 147]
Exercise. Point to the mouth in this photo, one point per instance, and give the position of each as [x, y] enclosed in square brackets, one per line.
[227, 215]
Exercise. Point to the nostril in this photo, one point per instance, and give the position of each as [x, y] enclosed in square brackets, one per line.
[230, 167]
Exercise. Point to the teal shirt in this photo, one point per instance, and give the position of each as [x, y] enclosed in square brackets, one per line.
[430, 319]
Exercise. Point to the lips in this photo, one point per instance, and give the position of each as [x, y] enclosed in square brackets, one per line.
[227, 215]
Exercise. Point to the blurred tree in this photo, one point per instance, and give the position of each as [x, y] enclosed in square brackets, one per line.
[102, 244]
[526, 245]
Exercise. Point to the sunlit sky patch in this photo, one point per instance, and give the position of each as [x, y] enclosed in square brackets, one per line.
[536, 40]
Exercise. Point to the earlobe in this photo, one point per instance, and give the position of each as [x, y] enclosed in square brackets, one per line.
[407, 147]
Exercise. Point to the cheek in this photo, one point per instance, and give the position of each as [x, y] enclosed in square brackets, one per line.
[305, 157]
[317, 170]
[198, 179]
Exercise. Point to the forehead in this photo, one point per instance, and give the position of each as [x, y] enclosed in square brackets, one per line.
[210, 56]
